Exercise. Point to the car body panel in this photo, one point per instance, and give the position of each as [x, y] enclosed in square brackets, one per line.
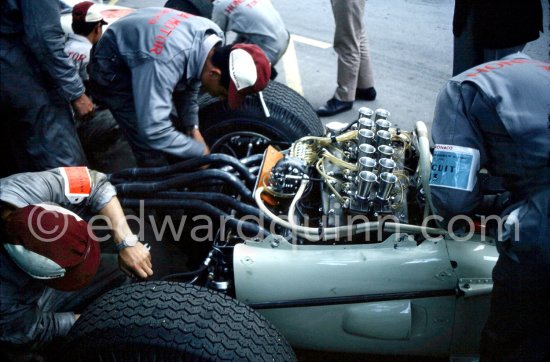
[392, 297]
[297, 272]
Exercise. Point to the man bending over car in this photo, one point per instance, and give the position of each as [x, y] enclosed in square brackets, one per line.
[154, 56]
[496, 116]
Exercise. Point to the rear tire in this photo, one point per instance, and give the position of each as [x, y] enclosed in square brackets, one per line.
[165, 321]
[233, 131]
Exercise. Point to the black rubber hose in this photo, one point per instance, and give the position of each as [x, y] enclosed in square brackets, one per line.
[185, 166]
[252, 160]
[348, 127]
[185, 180]
[192, 273]
[213, 198]
[249, 228]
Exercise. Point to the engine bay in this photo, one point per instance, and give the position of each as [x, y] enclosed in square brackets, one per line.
[360, 183]
[332, 188]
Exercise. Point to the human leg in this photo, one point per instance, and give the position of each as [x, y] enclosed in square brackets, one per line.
[518, 327]
[348, 17]
[466, 53]
[42, 134]
[365, 79]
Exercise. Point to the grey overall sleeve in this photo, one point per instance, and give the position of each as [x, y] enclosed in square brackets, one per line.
[187, 105]
[153, 84]
[452, 126]
[45, 39]
[30, 188]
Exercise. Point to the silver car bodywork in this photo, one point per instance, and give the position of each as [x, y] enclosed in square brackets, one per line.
[392, 297]
[396, 295]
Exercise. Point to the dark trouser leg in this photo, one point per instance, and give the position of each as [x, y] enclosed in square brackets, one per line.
[121, 105]
[518, 328]
[106, 148]
[37, 123]
[466, 53]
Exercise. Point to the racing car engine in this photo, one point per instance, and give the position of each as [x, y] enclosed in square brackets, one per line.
[356, 173]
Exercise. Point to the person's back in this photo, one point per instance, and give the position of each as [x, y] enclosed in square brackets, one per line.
[141, 60]
[256, 22]
[508, 103]
[495, 117]
[155, 60]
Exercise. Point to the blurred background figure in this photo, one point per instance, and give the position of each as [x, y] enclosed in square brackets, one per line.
[103, 143]
[486, 30]
[38, 86]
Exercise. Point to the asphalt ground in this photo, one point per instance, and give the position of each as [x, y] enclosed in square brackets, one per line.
[411, 46]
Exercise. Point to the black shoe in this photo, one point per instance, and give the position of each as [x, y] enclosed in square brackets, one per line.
[334, 106]
[366, 94]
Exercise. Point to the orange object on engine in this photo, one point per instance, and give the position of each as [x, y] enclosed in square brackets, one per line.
[271, 157]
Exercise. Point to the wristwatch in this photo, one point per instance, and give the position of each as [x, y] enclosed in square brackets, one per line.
[130, 240]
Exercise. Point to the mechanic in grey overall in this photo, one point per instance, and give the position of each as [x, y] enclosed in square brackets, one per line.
[33, 314]
[496, 116]
[254, 21]
[105, 147]
[154, 56]
[38, 85]
[87, 24]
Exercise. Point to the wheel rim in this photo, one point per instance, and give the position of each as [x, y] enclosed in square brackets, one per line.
[241, 144]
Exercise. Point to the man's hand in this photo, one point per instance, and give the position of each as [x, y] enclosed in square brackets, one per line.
[136, 261]
[83, 107]
[206, 150]
[197, 136]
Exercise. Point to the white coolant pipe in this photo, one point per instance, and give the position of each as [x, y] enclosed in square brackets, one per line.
[425, 164]
[314, 234]
[296, 228]
[309, 233]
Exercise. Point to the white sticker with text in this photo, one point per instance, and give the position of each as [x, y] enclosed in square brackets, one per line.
[454, 167]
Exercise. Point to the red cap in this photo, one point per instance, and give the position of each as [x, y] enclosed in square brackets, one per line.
[53, 244]
[249, 71]
[87, 12]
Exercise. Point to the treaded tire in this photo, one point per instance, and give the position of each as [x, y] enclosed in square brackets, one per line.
[165, 321]
[291, 116]
[196, 7]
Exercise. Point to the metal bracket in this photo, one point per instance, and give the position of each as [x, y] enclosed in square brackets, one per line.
[472, 287]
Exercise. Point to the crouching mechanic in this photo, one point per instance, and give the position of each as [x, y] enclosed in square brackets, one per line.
[154, 56]
[496, 116]
[50, 258]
